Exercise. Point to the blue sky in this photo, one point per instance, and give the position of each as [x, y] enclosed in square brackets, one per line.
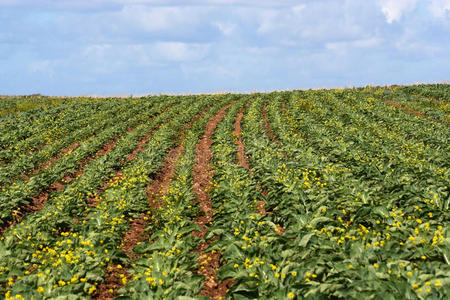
[117, 47]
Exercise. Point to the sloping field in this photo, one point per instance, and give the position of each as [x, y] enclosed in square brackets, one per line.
[286, 195]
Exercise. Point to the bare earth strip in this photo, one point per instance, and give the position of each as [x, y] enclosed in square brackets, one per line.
[411, 111]
[202, 178]
[92, 201]
[39, 200]
[45, 165]
[430, 98]
[242, 159]
[155, 190]
[269, 132]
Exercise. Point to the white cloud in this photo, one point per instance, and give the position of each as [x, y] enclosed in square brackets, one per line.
[439, 8]
[393, 10]
[43, 67]
[177, 51]
[106, 58]
[160, 18]
[269, 21]
[226, 28]
[298, 8]
[360, 43]
[315, 22]
[408, 44]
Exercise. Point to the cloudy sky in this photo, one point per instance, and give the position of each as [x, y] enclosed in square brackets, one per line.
[105, 47]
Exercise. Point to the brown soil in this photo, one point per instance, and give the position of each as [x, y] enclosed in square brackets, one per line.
[440, 102]
[43, 166]
[242, 159]
[113, 282]
[260, 205]
[411, 111]
[39, 200]
[269, 132]
[161, 183]
[155, 190]
[63, 152]
[202, 177]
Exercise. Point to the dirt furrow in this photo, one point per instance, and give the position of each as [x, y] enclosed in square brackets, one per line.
[411, 111]
[45, 165]
[155, 190]
[40, 199]
[92, 201]
[237, 133]
[243, 161]
[440, 102]
[261, 204]
[158, 187]
[202, 181]
[269, 132]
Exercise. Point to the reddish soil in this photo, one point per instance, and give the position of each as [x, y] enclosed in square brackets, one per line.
[440, 102]
[112, 283]
[92, 201]
[242, 159]
[260, 205]
[202, 177]
[269, 132]
[155, 190]
[161, 183]
[411, 111]
[244, 162]
[43, 166]
[63, 152]
[39, 200]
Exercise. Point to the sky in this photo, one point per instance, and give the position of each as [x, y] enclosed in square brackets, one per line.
[136, 47]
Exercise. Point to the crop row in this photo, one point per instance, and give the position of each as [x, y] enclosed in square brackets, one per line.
[302, 194]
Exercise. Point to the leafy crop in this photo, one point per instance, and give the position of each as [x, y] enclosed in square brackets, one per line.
[346, 196]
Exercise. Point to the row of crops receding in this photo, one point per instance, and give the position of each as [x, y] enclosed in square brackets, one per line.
[311, 194]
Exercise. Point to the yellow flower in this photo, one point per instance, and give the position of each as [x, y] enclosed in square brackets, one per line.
[236, 265]
[375, 265]
[291, 295]
[92, 289]
[438, 283]
[277, 275]
[409, 273]
[294, 273]
[40, 289]
[350, 266]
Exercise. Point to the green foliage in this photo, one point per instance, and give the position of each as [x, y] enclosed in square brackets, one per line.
[354, 190]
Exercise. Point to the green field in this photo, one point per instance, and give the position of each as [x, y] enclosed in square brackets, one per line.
[315, 194]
